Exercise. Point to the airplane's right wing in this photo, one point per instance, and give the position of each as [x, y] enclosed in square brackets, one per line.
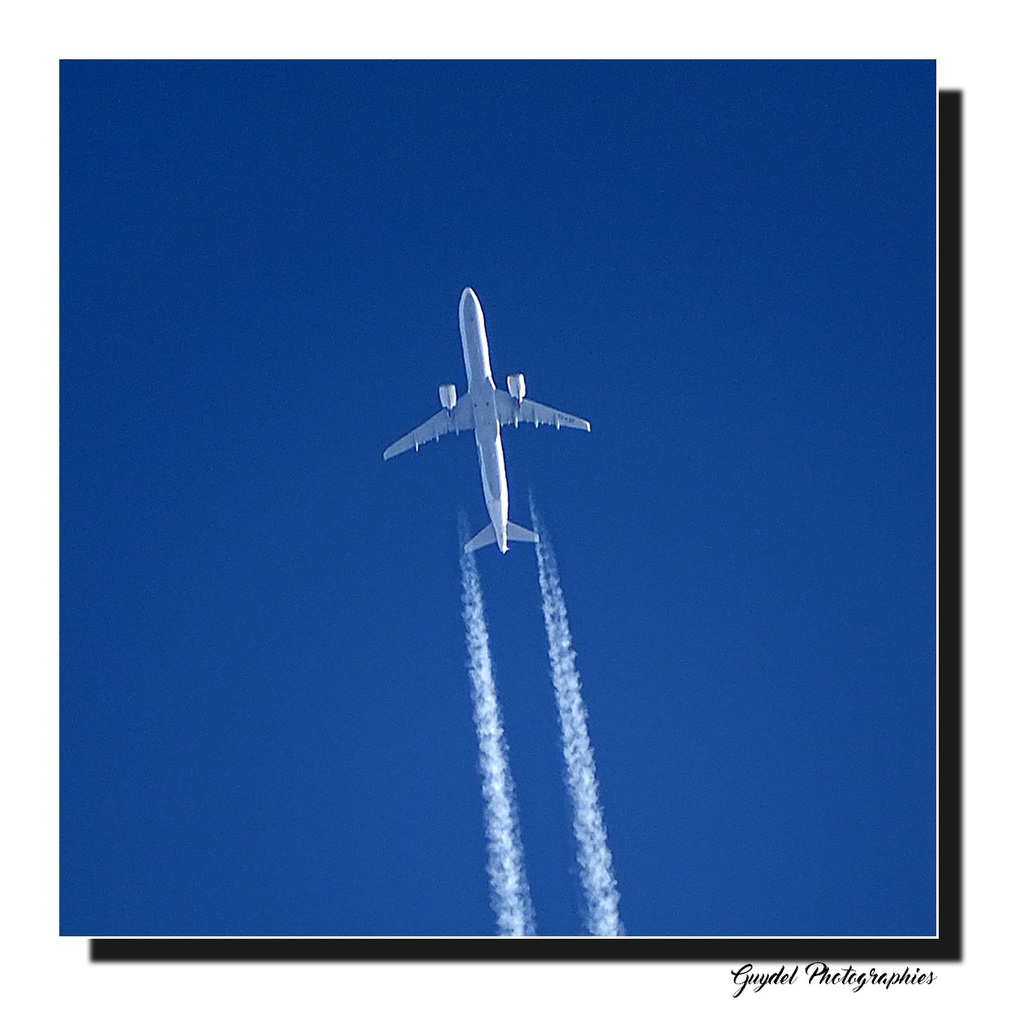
[527, 411]
[444, 422]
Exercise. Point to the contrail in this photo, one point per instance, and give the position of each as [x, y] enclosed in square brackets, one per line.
[510, 894]
[593, 855]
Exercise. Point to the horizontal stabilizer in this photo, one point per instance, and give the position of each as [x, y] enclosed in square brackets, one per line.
[516, 532]
[481, 540]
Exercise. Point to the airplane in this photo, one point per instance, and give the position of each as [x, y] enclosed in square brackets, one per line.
[486, 410]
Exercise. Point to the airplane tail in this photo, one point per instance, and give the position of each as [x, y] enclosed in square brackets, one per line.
[486, 536]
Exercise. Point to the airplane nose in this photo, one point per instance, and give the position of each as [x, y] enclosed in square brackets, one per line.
[468, 295]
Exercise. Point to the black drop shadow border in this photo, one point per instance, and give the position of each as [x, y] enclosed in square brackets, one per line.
[948, 943]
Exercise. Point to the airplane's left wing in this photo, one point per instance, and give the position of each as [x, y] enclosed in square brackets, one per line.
[444, 422]
[528, 411]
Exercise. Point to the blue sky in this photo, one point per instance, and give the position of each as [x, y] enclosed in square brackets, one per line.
[728, 268]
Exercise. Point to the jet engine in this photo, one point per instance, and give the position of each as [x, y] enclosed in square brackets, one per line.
[448, 396]
[516, 386]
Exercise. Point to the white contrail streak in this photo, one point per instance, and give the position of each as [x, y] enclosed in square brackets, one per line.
[593, 855]
[510, 894]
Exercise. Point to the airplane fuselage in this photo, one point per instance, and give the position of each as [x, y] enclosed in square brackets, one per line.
[481, 389]
[485, 409]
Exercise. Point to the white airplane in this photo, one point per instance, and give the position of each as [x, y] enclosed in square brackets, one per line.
[486, 410]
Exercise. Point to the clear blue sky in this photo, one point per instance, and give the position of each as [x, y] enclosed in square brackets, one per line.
[728, 268]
